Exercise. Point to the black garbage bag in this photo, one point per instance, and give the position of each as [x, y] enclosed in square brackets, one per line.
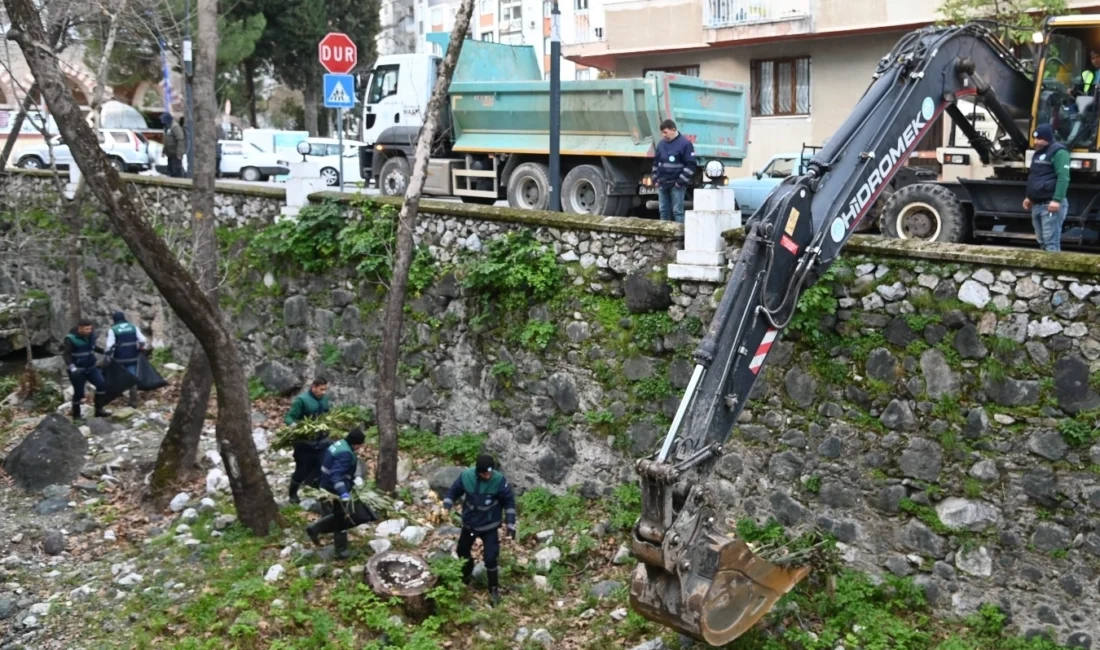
[147, 376]
[118, 379]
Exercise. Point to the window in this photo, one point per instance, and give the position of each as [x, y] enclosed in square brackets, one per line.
[510, 10]
[486, 7]
[383, 83]
[779, 168]
[421, 28]
[546, 45]
[437, 16]
[781, 87]
[686, 70]
[580, 5]
[487, 37]
[119, 137]
[584, 75]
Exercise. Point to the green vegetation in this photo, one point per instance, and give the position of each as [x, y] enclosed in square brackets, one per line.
[513, 272]
[256, 389]
[461, 448]
[926, 514]
[1078, 432]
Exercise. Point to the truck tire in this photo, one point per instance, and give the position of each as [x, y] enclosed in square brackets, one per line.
[926, 212]
[394, 176]
[584, 191]
[529, 187]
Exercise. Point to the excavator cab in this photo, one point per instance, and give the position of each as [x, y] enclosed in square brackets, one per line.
[1067, 92]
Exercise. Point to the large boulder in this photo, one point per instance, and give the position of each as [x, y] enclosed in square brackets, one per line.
[52, 453]
[34, 309]
[1071, 385]
[277, 378]
[645, 293]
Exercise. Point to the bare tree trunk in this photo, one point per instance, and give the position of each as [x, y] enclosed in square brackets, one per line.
[309, 105]
[393, 321]
[250, 89]
[179, 448]
[251, 493]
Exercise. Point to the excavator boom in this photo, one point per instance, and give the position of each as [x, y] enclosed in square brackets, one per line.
[691, 575]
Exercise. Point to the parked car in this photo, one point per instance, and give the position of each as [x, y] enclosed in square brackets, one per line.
[128, 151]
[248, 162]
[751, 191]
[326, 152]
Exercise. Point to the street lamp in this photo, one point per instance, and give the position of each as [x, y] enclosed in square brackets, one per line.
[555, 108]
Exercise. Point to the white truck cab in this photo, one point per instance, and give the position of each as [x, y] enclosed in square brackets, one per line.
[398, 89]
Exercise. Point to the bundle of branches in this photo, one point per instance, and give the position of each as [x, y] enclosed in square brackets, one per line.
[810, 548]
[382, 505]
[335, 424]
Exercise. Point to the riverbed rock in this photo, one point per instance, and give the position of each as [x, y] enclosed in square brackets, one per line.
[52, 453]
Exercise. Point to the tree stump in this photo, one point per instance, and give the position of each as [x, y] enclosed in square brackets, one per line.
[406, 576]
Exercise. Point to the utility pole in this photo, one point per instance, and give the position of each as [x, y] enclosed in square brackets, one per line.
[555, 108]
[188, 73]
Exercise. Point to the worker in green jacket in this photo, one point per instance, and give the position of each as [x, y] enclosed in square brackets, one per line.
[308, 454]
[1047, 183]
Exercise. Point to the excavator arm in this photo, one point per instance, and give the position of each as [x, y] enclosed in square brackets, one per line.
[692, 575]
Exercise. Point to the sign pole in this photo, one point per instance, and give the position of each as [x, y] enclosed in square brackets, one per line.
[555, 108]
[340, 139]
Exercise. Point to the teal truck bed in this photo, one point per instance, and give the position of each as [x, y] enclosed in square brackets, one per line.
[500, 104]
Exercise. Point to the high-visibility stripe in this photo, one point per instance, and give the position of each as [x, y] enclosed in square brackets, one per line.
[762, 351]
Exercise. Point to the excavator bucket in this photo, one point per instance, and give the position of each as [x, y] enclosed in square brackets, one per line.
[717, 610]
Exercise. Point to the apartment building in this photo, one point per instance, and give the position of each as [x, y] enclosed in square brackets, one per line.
[518, 22]
[807, 61]
[397, 27]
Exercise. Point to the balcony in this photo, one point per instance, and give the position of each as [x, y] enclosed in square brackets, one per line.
[580, 30]
[718, 14]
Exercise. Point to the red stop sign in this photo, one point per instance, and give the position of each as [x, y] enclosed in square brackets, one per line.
[337, 53]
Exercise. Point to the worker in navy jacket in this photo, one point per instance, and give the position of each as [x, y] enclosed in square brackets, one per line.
[124, 343]
[338, 478]
[78, 350]
[673, 171]
[488, 500]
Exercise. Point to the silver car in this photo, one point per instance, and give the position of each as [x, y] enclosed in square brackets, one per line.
[128, 151]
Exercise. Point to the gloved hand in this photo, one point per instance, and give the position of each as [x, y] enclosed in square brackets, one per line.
[345, 497]
[511, 531]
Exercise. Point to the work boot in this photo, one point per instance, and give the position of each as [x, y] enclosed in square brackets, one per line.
[493, 576]
[293, 492]
[76, 411]
[467, 571]
[314, 535]
[340, 545]
[100, 403]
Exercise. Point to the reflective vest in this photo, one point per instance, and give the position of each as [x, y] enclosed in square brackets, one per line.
[126, 342]
[1088, 76]
[482, 509]
[83, 350]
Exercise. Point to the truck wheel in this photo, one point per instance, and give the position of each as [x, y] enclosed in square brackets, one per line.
[529, 187]
[926, 212]
[394, 177]
[584, 191]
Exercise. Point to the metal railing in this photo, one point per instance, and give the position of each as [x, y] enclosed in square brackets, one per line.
[731, 13]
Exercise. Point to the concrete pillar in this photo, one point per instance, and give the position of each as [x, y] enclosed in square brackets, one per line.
[305, 179]
[703, 258]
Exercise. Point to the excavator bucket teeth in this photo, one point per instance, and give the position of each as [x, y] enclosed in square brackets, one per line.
[743, 590]
[717, 611]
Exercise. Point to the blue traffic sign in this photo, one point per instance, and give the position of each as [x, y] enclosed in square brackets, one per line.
[339, 91]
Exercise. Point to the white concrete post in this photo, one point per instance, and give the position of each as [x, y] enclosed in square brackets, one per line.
[703, 258]
[305, 179]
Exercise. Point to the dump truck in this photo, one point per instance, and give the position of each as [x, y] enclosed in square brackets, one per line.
[494, 139]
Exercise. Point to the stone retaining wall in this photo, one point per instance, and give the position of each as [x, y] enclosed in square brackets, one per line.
[934, 408]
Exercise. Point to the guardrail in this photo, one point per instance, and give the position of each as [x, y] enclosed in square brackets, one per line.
[732, 13]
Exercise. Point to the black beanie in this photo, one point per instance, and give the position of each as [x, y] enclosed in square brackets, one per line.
[356, 437]
[485, 463]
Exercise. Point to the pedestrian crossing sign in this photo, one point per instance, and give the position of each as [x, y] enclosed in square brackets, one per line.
[339, 91]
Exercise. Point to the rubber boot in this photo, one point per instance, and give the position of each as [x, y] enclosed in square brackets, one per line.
[314, 534]
[293, 492]
[494, 585]
[76, 411]
[100, 403]
[340, 545]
